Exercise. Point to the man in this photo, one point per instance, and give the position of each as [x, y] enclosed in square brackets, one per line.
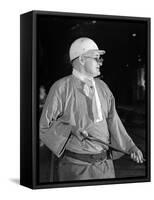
[79, 122]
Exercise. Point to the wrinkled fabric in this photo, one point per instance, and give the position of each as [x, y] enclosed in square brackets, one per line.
[90, 91]
[71, 169]
[68, 112]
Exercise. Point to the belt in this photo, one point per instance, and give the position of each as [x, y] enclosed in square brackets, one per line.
[90, 158]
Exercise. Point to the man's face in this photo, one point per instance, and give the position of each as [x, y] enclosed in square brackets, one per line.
[92, 64]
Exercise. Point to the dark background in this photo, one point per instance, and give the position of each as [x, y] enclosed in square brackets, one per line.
[124, 70]
[125, 43]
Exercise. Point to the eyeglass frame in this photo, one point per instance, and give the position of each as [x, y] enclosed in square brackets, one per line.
[98, 60]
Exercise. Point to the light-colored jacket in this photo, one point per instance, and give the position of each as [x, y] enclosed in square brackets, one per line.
[67, 113]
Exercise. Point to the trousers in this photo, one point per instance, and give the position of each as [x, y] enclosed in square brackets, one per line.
[71, 169]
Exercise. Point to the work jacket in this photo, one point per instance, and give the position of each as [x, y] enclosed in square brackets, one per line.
[67, 114]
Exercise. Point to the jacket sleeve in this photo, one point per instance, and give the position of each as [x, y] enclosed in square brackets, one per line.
[54, 133]
[119, 136]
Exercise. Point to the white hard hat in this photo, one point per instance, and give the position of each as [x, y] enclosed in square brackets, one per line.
[81, 46]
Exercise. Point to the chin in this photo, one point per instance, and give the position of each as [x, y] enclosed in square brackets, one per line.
[97, 74]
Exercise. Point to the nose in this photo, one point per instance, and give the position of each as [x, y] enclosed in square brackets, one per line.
[100, 61]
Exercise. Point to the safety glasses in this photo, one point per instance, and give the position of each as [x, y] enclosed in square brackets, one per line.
[98, 60]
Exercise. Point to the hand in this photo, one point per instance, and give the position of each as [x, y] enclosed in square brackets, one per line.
[137, 156]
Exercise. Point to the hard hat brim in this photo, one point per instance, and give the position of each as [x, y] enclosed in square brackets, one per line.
[94, 53]
[101, 52]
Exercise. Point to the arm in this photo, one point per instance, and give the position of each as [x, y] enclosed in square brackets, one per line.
[53, 132]
[119, 136]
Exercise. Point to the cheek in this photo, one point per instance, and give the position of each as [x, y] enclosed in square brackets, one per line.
[90, 66]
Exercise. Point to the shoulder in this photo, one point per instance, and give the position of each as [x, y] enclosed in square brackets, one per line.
[61, 84]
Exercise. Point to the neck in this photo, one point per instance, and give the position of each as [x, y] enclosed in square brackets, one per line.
[80, 75]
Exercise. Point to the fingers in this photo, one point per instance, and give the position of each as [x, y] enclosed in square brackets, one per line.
[133, 156]
[137, 156]
[140, 156]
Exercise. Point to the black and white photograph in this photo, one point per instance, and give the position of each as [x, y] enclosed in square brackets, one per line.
[91, 99]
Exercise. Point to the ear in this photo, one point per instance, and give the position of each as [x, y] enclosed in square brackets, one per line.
[81, 60]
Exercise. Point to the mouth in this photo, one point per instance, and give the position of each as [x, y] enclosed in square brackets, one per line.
[98, 68]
